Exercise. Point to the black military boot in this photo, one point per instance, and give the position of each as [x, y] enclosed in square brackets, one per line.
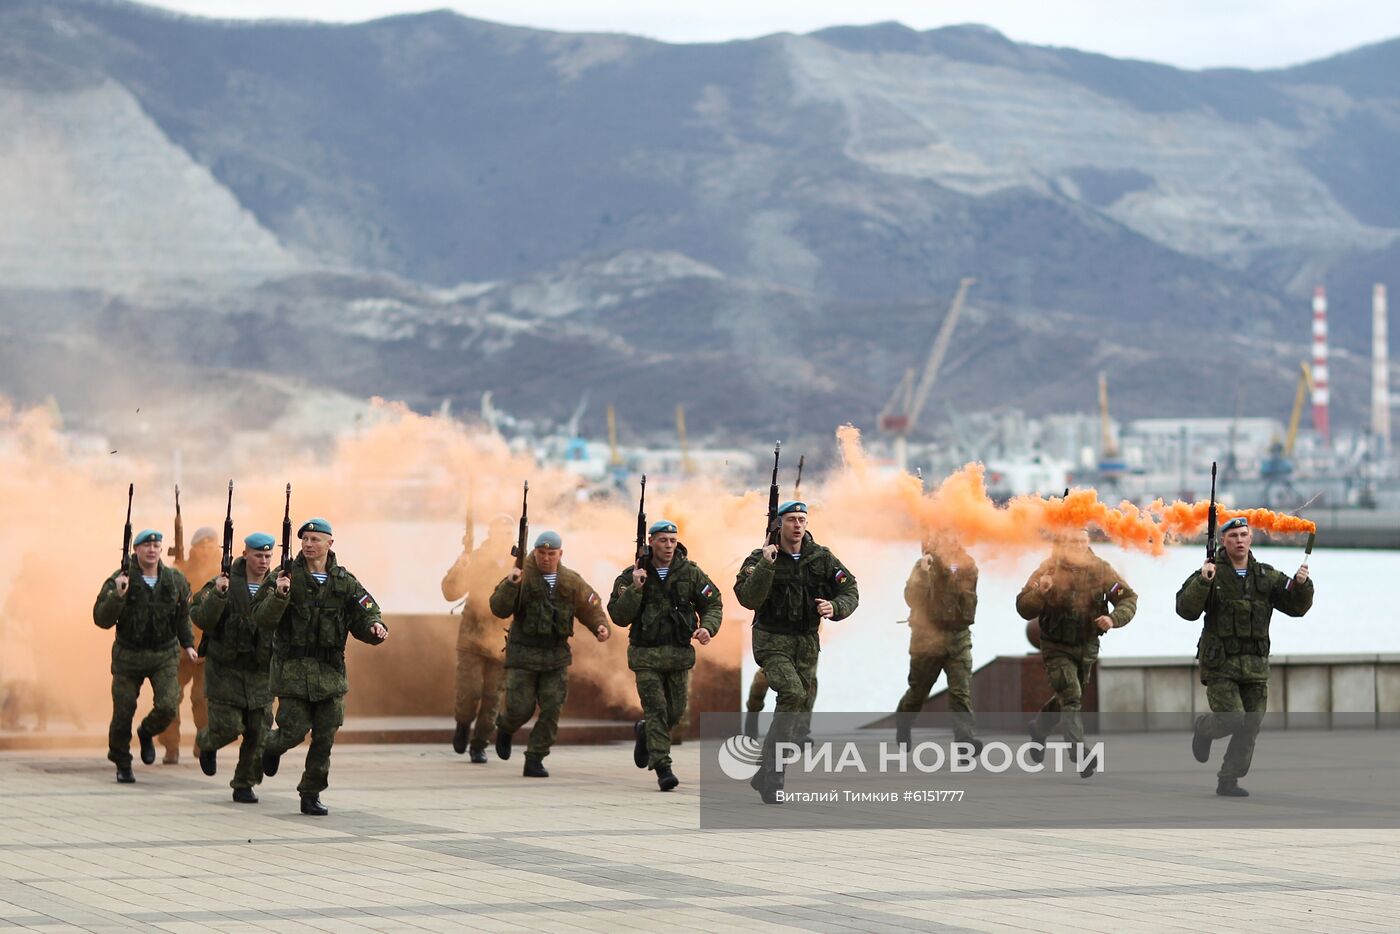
[148, 745]
[124, 775]
[459, 738]
[767, 784]
[502, 744]
[1230, 788]
[903, 734]
[665, 778]
[1200, 742]
[311, 804]
[534, 767]
[208, 761]
[751, 724]
[244, 796]
[639, 748]
[1090, 767]
[1037, 753]
[271, 760]
[975, 743]
[479, 755]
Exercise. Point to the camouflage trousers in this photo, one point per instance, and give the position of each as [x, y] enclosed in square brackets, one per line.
[191, 675]
[526, 690]
[1237, 711]
[295, 717]
[790, 664]
[165, 686]
[664, 693]
[1069, 668]
[227, 722]
[956, 663]
[479, 682]
[758, 692]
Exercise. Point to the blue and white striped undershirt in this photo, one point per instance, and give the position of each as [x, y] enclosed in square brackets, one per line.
[150, 581]
[320, 576]
[253, 589]
[552, 579]
[1242, 571]
[662, 572]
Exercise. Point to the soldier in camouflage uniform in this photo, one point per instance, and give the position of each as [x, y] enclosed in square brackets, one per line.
[313, 607]
[236, 655]
[152, 618]
[667, 603]
[1071, 593]
[1234, 645]
[791, 587]
[480, 637]
[542, 600]
[942, 597]
[199, 567]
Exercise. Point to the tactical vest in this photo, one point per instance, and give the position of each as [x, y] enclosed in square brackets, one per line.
[949, 604]
[668, 615]
[545, 618]
[1069, 619]
[315, 623]
[235, 641]
[1239, 611]
[148, 615]
[791, 607]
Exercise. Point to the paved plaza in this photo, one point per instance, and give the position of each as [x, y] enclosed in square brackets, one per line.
[418, 839]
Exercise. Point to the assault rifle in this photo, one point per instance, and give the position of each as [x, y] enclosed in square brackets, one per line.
[774, 523]
[177, 551]
[643, 549]
[287, 533]
[226, 561]
[126, 533]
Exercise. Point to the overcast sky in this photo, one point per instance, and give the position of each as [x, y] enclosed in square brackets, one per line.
[1187, 33]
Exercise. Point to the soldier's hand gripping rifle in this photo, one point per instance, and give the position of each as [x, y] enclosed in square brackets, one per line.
[177, 550]
[226, 560]
[643, 549]
[774, 524]
[287, 533]
[518, 550]
[126, 533]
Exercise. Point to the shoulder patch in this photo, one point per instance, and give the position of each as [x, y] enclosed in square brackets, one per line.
[367, 602]
[593, 598]
[1115, 589]
[708, 590]
[841, 575]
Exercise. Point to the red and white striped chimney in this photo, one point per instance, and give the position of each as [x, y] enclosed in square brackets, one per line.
[1321, 423]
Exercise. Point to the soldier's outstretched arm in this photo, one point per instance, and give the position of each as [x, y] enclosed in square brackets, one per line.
[588, 610]
[1124, 600]
[1290, 596]
[108, 606]
[626, 600]
[366, 620]
[208, 606]
[754, 580]
[504, 598]
[847, 595]
[269, 605]
[711, 604]
[1191, 599]
[454, 582]
[182, 615]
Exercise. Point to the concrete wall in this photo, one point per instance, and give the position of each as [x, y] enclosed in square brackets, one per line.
[1318, 691]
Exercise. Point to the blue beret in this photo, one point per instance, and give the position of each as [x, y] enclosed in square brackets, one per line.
[314, 525]
[549, 540]
[662, 525]
[1235, 523]
[260, 541]
[146, 535]
[792, 505]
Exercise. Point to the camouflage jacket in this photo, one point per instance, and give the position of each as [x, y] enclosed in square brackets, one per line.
[236, 652]
[783, 593]
[1083, 590]
[941, 598]
[1235, 638]
[474, 575]
[152, 623]
[663, 615]
[309, 627]
[542, 620]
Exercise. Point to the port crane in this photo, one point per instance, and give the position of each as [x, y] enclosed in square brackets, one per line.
[901, 413]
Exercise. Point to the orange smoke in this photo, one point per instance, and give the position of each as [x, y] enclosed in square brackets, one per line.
[1184, 520]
